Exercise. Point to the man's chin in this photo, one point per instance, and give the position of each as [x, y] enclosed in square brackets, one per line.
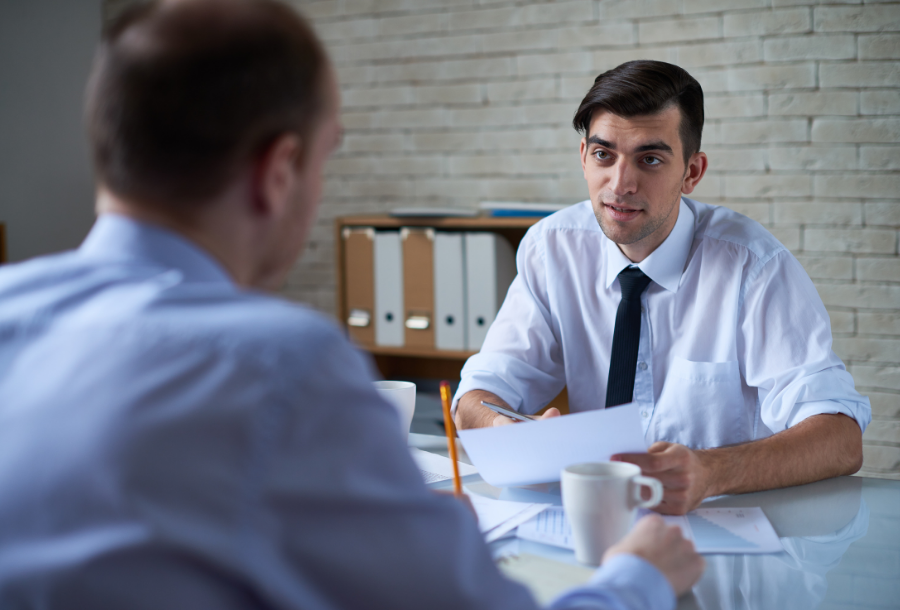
[618, 231]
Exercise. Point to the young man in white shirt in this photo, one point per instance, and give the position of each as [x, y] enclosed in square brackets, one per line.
[725, 344]
[173, 436]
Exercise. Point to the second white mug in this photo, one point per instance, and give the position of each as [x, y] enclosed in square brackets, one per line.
[401, 394]
[600, 499]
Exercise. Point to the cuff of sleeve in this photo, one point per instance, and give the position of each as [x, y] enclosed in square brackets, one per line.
[625, 582]
[488, 383]
[637, 578]
[859, 411]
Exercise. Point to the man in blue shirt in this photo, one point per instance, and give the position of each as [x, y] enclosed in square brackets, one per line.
[173, 437]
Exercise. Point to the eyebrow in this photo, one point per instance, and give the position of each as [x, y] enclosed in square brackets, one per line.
[655, 145]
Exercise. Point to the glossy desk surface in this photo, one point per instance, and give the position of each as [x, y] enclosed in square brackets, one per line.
[841, 539]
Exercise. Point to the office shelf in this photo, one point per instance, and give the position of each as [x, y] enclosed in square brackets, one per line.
[419, 353]
[394, 362]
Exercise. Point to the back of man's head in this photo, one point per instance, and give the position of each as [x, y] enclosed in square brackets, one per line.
[184, 94]
[645, 87]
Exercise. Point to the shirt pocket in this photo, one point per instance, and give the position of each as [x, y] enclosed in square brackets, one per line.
[701, 404]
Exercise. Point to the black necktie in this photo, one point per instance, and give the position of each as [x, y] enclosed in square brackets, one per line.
[626, 337]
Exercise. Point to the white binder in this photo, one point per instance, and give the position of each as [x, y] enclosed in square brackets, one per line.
[388, 257]
[490, 269]
[449, 292]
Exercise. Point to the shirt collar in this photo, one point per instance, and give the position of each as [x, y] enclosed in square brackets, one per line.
[118, 237]
[665, 264]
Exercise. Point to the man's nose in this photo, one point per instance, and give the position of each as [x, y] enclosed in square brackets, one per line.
[624, 179]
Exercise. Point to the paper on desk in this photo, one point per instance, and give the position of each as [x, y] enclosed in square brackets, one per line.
[536, 452]
[436, 468]
[732, 530]
[713, 530]
[497, 518]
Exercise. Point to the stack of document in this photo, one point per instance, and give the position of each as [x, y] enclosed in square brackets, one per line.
[496, 518]
[520, 208]
[429, 212]
[712, 530]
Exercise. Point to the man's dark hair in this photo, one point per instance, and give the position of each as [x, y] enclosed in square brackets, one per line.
[644, 87]
[184, 94]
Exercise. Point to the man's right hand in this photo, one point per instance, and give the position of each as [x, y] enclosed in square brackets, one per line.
[470, 413]
[502, 420]
[664, 547]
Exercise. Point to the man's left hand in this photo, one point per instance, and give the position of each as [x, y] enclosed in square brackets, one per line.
[682, 472]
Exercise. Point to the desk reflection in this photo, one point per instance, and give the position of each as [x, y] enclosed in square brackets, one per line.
[817, 524]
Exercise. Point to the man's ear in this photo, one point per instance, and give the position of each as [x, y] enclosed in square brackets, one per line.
[276, 175]
[694, 172]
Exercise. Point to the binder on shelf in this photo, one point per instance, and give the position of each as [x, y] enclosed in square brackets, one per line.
[388, 268]
[418, 286]
[359, 284]
[449, 292]
[490, 269]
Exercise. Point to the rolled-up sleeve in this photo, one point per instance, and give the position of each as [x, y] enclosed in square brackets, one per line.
[521, 360]
[785, 336]
[625, 582]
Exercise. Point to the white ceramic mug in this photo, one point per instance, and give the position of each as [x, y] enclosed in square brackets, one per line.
[401, 394]
[600, 499]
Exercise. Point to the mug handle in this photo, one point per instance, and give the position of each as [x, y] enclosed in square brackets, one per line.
[656, 492]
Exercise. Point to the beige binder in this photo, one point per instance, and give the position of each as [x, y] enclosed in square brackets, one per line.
[418, 286]
[359, 284]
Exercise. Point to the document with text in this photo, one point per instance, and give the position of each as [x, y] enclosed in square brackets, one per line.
[496, 518]
[713, 531]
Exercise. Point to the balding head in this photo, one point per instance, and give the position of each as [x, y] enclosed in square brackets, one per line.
[185, 94]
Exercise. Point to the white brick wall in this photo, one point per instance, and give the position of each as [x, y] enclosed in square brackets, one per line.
[448, 102]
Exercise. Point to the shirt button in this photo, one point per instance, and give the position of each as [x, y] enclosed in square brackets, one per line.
[644, 414]
[642, 309]
[643, 366]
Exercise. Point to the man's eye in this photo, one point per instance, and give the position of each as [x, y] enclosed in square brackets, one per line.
[652, 160]
[602, 155]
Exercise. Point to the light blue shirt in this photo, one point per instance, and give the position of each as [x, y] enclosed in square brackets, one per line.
[735, 342]
[169, 440]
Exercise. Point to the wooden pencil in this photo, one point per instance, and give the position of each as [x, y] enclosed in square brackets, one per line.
[450, 429]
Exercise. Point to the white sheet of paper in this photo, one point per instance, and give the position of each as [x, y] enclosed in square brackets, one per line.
[714, 531]
[535, 452]
[436, 468]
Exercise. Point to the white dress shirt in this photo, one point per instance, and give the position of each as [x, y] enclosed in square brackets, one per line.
[169, 440]
[735, 342]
